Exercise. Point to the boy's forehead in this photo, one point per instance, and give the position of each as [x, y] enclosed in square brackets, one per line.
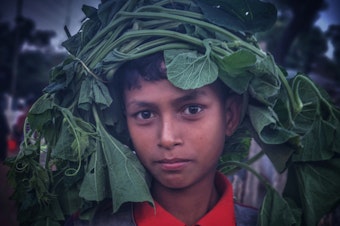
[162, 85]
[159, 89]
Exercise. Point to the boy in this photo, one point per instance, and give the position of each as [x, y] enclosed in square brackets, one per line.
[178, 135]
[177, 117]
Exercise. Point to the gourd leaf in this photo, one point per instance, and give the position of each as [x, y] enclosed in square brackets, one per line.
[108, 9]
[235, 83]
[314, 182]
[317, 142]
[188, 69]
[68, 197]
[265, 86]
[127, 179]
[275, 210]
[41, 113]
[234, 70]
[89, 11]
[265, 124]
[75, 138]
[239, 15]
[336, 145]
[95, 184]
[318, 121]
[236, 63]
[93, 91]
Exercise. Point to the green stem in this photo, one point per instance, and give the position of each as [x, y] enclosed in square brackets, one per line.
[165, 2]
[104, 38]
[112, 26]
[156, 49]
[296, 104]
[74, 131]
[102, 34]
[100, 49]
[148, 45]
[236, 168]
[48, 157]
[247, 167]
[145, 33]
[144, 52]
[296, 83]
[209, 26]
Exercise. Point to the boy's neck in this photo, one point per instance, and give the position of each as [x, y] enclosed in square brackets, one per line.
[189, 204]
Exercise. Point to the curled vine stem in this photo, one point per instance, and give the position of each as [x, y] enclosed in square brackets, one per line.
[247, 167]
[237, 167]
[72, 171]
[295, 104]
[299, 78]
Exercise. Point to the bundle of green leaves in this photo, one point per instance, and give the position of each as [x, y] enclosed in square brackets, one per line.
[74, 155]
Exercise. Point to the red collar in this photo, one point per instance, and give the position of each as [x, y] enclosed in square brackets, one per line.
[221, 214]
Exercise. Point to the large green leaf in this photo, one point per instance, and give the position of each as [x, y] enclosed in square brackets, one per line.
[95, 185]
[314, 187]
[108, 9]
[239, 15]
[276, 211]
[75, 138]
[336, 144]
[236, 63]
[89, 11]
[318, 121]
[317, 142]
[265, 86]
[116, 172]
[68, 196]
[265, 123]
[93, 91]
[41, 112]
[279, 154]
[188, 69]
[234, 70]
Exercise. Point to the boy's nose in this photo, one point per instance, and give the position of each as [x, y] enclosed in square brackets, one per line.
[169, 136]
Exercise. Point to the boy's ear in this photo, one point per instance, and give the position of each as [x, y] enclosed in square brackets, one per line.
[233, 106]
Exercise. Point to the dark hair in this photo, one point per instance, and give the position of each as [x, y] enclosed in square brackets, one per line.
[127, 77]
[148, 68]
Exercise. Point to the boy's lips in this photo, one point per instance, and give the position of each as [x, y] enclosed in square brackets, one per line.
[173, 164]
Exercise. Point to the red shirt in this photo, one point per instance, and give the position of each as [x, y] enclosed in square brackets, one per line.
[222, 214]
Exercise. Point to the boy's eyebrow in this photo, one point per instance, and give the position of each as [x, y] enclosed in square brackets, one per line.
[139, 103]
[191, 95]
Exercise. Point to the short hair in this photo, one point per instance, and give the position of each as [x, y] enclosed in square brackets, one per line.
[148, 68]
[151, 68]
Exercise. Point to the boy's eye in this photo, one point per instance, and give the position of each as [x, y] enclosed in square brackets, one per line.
[144, 115]
[193, 109]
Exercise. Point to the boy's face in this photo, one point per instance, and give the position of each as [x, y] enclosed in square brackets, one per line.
[178, 134]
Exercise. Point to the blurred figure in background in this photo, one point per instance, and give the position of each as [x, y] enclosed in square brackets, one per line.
[8, 210]
[4, 132]
[19, 125]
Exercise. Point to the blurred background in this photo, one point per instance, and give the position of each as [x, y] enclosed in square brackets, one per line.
[306, 38]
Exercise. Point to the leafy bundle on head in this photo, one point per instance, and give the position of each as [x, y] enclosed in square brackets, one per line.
[74, 155]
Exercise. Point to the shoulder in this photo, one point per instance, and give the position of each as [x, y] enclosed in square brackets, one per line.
[105, 217]
[245, 215]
